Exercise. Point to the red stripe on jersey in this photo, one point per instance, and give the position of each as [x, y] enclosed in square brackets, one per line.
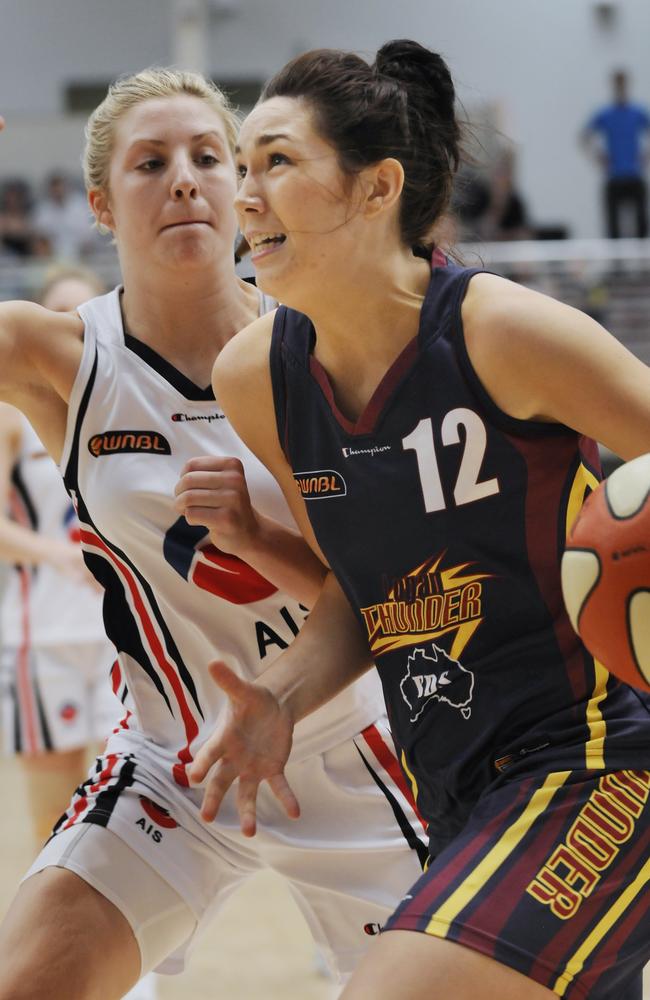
[168, 669]
[365, 423]
[116, 676]
[26, 701]
[391, 765]
[548, 465]
[124, 722]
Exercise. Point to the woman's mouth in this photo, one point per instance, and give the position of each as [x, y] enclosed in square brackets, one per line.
[263, 244]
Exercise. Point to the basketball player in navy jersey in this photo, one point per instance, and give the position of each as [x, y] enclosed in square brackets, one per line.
[433, 429]
[119, 392]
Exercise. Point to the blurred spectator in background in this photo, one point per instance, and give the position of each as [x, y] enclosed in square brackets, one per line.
[618, 137]
[16, 232]
[506, 217]
[55, 695]
[63, 219]
[488, 204]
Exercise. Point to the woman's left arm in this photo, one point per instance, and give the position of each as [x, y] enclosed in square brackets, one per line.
[539, 359]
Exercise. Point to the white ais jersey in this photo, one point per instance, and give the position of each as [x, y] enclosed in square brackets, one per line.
[173, 601]
[41, 606]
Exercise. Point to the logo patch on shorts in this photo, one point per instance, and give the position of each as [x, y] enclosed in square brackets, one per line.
[156, 813]
[128, 442]
[69, 711]
[321, 484]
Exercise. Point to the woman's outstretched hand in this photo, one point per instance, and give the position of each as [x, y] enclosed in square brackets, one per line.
[252, 744]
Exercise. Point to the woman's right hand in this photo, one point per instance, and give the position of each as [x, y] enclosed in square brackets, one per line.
[252, 743]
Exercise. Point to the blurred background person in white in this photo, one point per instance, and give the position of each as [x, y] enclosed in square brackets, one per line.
[63, 220]
[56, 695]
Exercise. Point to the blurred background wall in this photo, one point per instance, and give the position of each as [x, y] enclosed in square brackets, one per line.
[535, 69]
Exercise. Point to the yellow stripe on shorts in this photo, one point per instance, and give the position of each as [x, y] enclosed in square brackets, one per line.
[591, 942]
[465, 893]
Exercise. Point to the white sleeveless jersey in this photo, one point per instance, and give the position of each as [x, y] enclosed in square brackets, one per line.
[42, 606]
[173, 601]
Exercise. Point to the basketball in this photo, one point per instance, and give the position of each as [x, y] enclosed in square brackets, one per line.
[606, 573]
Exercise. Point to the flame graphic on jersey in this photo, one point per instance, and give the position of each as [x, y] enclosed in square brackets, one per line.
[426, 603]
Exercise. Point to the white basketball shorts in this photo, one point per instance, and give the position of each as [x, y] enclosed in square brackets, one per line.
[356, 848]
[57, 697]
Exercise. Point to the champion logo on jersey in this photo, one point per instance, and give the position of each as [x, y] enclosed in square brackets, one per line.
[321, 484]
[121, 442]
[376, 449]
[181, 418]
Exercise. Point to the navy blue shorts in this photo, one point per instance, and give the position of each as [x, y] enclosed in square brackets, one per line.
[550, 876]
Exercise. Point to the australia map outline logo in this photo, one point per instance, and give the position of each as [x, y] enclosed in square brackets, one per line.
[438, 678]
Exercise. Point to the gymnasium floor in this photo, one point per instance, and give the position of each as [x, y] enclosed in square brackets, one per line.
[258, 948]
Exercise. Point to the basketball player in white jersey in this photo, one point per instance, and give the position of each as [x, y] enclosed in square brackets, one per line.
[119, 393]
[54, 671]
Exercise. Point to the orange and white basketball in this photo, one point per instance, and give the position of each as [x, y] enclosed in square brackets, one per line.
[606, 573]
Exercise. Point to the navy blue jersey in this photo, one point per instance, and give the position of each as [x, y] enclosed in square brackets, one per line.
[444, 521]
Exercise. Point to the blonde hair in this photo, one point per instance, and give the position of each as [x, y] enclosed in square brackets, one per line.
[57, 273]
[125, 93]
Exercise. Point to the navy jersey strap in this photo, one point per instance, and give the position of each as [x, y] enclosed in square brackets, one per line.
[291, 344]
[444, 299]
[278, 382]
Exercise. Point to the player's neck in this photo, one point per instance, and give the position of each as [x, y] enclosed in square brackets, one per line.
[375, 312]
[190, 319]
[358, 343]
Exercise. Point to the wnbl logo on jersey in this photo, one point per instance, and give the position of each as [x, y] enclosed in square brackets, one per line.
[436, 677]
[128, 442]
[321, 484]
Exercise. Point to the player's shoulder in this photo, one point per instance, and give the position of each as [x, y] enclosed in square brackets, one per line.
[502, 318]
[492, 300]
[245, 357]
[39, 339]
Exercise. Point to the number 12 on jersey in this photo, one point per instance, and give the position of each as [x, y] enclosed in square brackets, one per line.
[468, 488]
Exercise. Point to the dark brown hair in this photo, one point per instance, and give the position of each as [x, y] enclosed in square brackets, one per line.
[403, 106]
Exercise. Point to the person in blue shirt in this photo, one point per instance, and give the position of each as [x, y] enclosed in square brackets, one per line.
[617, 133]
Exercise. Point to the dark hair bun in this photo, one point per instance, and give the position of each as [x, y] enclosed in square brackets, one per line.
[410, 63]
[403, 107]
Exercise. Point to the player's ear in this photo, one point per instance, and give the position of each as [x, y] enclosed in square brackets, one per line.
[99, 206]
[382, 184]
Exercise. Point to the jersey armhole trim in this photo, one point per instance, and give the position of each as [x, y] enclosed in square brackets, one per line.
[278, 380]
[503, 420]
[79, 386]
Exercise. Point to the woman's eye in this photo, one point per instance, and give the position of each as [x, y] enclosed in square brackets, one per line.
[208, 160]
[149, 165]
[241, 171]
[275, 159]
